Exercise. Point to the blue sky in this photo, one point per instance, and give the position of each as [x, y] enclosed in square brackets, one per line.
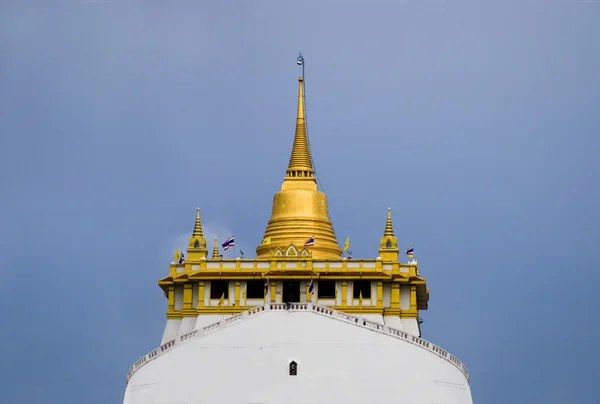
[476, 122]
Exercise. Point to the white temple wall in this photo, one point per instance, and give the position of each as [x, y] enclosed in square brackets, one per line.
[187, 325]
[207, 319]
[387, 294]
[373, 293]
[393, 322]
[410, 326]
[326, 302]
[405, 297]
[332, 358]
[171, 330]
[378, 318]
[178, 297]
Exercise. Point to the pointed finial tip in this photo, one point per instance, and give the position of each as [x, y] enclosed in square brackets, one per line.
[300, 79]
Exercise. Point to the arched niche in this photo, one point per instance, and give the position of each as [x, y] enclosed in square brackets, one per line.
[291, 251]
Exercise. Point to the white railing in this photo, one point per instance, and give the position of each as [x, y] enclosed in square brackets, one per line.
[320, 310]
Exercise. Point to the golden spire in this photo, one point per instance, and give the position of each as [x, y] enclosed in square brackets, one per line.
[197, 244]
[197, 225]
[300, 159]
[389, 231]
[388, 250]
[299, 210]
[215, 255]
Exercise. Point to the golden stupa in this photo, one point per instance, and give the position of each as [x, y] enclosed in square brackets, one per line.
[300, 209]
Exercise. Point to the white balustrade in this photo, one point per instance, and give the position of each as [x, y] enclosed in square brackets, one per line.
[320, 310]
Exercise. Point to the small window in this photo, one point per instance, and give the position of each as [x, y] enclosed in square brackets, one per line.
[196, 244]
[218, 289]
[364, 287]
[326, 289]
[255, 290]
[293, 368]
[388, 244]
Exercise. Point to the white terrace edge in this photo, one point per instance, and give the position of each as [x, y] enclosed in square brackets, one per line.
[310, 307]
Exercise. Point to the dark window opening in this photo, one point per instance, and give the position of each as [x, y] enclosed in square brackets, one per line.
[218, 289]
[196, 244]
[364, 287]
[293, 368]
[255, 290]
[291, 292]
[326, 289]
[388, 244]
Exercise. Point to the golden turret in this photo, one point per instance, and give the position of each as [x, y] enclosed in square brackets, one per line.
[300, 209]
[389, 230]
[215, 255]
[197, 245]
[197, 225]
[388, 250]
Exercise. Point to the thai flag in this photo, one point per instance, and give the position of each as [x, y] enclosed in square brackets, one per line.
[230, 242]
[310, 242]
[266, 286]
[311, 288]
[181, 258]
[410, 251]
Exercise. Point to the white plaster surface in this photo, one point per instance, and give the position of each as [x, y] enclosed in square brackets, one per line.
[405, 297]
[178, 297]
[338, 362]
[387, 295]
[377, 318]
[410, 325]
[187, 325]
[393, 321]
[171, 329]
[207, 319]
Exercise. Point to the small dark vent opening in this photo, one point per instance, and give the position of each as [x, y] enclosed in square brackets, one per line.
[293, 368]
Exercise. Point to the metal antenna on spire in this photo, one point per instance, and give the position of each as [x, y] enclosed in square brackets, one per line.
[300, 62]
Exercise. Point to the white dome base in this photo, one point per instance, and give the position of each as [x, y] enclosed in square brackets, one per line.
[247, 360]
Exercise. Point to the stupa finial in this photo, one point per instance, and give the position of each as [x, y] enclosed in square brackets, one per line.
[215, 254]
[198, 225]
[389, 230]
[300, 166]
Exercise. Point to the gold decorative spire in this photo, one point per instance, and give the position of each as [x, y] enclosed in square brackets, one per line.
[197, 225]
[215, 255]
[197, 244]
[300, 159]
[300, 210]
[388, 250]
[389, 231]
